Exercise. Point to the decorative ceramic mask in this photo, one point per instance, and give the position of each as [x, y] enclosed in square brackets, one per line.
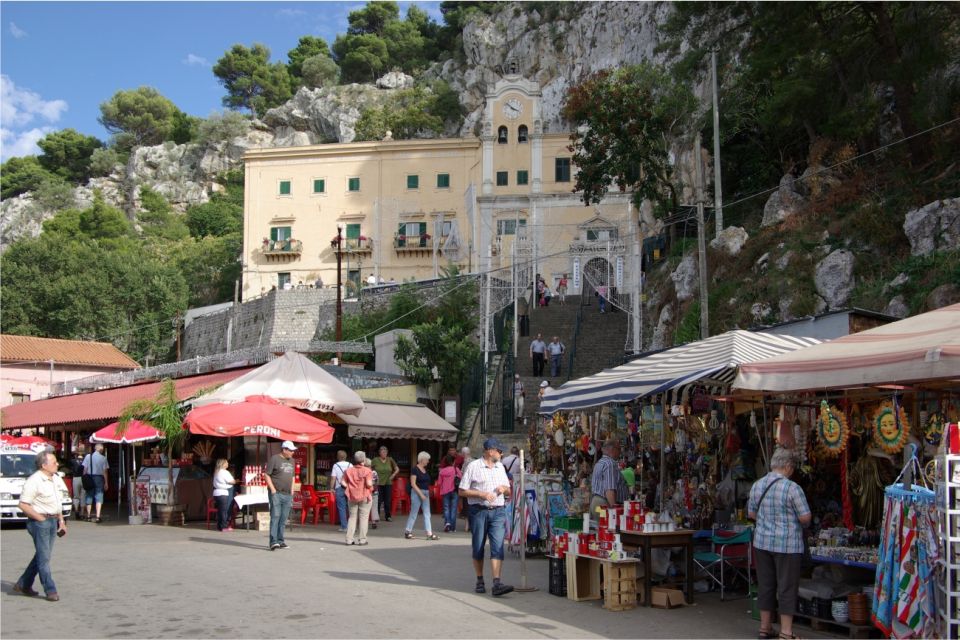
[832, 429]
[890, 427]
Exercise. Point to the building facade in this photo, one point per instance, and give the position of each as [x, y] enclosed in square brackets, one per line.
[409, 208]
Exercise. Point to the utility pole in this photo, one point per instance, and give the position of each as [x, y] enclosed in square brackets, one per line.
[637, 280]
[337, 247]
[717, 189]
[176, 330]
[485, 279]
[701, 242]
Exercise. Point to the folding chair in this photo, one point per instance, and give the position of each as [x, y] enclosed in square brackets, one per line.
[730, 554]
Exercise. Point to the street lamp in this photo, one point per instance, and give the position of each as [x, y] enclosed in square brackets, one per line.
[337, 245]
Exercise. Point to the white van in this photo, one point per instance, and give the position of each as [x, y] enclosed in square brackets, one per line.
[16, 465]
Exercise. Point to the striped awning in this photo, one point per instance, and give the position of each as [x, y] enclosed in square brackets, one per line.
[713, 361]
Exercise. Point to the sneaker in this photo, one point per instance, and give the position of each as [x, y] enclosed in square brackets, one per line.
[362, 543]
[229, 529]
[480, 588]
[274, 546]
[283, 545]
[53, 597]
[501, 589]
[349, 543]
[388, 519]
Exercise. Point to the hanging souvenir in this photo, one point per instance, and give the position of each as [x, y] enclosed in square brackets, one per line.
[832, 429]
[933, 431]
[890, 427]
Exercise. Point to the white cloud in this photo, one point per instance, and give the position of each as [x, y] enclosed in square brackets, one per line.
[16, 31]
[18, 107]
[21, 143]
[193, 60]
[290, 13]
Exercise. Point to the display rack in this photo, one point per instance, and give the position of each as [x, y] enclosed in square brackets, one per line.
[948, 507]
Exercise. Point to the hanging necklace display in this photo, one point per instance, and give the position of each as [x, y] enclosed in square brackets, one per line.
[832, 429]
[890, 427]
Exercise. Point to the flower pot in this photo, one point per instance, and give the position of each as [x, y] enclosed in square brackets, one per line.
[172, 515]
[135, 519]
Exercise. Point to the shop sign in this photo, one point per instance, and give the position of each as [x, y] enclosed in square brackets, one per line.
[619, 273]
[576, 274]
[141, 496]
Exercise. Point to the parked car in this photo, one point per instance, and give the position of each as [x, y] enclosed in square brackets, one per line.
[16, 465]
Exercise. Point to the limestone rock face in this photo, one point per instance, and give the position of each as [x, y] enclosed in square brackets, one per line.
[897, 307]
[933, 227]
[326, 114]
[662, 334]
[784, 202]
[834, 278]
[20, 217]
[731, 240]
[944, 295]
[172, 170]
[395, 80]
[685, 278]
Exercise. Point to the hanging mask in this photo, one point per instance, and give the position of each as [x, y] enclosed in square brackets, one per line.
[891, 429]
[832, 430]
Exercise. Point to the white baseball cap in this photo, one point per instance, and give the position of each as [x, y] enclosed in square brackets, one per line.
[288, 445]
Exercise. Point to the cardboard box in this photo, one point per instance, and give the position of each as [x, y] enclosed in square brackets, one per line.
[263, 521]
[664, 598]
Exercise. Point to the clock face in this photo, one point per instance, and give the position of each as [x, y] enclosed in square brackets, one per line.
[512, 108]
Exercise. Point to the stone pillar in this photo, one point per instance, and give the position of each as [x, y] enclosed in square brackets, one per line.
[536, 151]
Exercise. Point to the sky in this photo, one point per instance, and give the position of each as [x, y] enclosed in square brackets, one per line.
[60, 60]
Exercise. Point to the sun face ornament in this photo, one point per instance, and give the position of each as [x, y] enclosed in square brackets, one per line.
[832, 430]
[890, 427]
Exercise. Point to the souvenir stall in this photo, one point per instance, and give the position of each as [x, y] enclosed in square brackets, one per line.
[879, 402]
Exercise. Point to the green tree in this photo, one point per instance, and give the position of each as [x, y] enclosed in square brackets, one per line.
[361, 57]
[54, 194]
[406, 46]
[320, 71]
[21, 175]
[624, 122]
[184, 127]
[210, 265]
[139, 117]
[410, 113]
[307, 47]
[67, 153]
[373, 18]
[251, 81]
[158, 219]
[101, 221]
[221, 216]
[104, 160]
[222, 127]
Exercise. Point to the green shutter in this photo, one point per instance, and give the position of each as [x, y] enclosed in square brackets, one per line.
[423, 228]
[319, 186]
[413, 182]
[502, 179]
[522, 177]
[354, 184]
[443, 180]
[273, 233]
[353, 231]
[284, 187]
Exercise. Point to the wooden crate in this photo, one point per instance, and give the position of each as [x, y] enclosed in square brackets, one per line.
[847, 629]
[583, 578]
[619, 585]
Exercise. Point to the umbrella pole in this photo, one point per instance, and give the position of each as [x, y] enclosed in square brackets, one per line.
[120, 482]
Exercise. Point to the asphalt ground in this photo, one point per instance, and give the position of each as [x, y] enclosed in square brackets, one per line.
[121, 581]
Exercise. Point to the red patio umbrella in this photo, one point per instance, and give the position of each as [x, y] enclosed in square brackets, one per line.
[258, 416]
[34, 443]
[135, 432]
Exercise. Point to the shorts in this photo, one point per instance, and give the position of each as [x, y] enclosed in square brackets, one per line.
[96, 495]
[487, 524]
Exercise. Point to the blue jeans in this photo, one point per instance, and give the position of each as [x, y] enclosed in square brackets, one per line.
[43, 534]
[603, 304]
[223, 511]
[555, 365]
[342, 510]
[386, 493]
[280, 504]
[97, 494]
[416, 505]
[487, 523]
[450, 510]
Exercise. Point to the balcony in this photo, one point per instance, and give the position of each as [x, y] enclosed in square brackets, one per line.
[281, 250]
[357, 245]
[409, 244]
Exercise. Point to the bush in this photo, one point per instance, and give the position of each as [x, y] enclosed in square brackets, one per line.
[222, 127]
[104, 161]
[320, 71]
[54, 194]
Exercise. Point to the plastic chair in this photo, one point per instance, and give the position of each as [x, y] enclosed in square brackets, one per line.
[212, 510]
[400, 502]
[436, 500]
[309, 501]
[728, 549]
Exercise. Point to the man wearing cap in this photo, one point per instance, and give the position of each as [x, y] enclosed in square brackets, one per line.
[279, 477]
[484, 484]
[607, 484]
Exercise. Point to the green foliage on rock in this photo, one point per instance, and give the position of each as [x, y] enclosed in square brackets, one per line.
[222, 127]
[307, 47]
[624, 122]
[411, 113]
[67, 153]
[362, 58]
[140, 117]
[320, 71]
[54, 194]
[251, 80]
[158, 219]
[220, 216]
[22, 174]
[104, 160]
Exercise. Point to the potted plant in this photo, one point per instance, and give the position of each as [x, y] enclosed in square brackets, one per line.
[401, 240]
[164, 413]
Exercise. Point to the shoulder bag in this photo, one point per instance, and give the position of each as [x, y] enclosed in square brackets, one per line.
[86, 480]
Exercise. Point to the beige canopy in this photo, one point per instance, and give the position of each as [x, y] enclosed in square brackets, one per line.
[293, 380]
[399, 420]
[921, 348]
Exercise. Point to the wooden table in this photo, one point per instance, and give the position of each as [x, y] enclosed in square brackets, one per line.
[648, 542]
[244, 500]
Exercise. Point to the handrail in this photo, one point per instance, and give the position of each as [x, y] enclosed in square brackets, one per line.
[576, 335]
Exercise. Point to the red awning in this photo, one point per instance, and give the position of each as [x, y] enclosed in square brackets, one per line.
[104, 406]
[258, 416]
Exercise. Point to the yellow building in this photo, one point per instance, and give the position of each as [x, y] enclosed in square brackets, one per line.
[408, 208]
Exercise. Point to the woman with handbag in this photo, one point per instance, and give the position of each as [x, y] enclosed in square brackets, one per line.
[780, 509]
[449, 481]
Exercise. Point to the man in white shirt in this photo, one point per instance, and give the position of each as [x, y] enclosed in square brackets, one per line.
[484, 484]
[340, 491]
[371, 280]
[41, 500]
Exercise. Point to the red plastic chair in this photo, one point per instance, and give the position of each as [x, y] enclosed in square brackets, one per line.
[212, 510]
[400, 502]
[309, 501]
[436, 500]
[326, 500]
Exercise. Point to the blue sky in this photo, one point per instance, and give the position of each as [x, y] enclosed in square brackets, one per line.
[60, 60]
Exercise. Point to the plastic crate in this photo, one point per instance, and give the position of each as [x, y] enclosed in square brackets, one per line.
[558, 576]
[567, 523]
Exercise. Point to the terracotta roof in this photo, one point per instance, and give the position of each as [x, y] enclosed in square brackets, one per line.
[79, 352]
[105, 405]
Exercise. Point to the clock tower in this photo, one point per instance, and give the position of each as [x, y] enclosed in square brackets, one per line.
[512, 134]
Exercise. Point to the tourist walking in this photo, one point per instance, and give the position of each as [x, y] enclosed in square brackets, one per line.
[484, 484]
[556, 349]
[279, 477]
[96, 465]
[420, 498]
[562, 290]
[607, 484]
[386, 469]
[448, 480]
[518, 396]
[223, 483]
[358, 485]
[537, 350]
[374, 503]
[781, 512]
[336, 480]
[41, 501]
[465, 459]
[602, 295]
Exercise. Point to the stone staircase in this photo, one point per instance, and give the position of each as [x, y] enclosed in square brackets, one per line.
[599, 346]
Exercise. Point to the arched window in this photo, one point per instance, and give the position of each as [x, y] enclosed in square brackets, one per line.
[502, 135]
[522, 133]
